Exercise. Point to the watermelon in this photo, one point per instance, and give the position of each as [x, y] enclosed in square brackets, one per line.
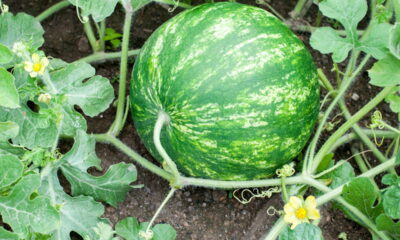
[241, 91]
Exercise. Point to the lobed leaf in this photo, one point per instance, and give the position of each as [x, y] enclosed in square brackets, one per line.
[362, 194]
[385, 72]
[385, 223]
[391, 202]
[98, 9]
[35, 129]
[22, 213]
[79, 214]
[20, 28]
[111, 187]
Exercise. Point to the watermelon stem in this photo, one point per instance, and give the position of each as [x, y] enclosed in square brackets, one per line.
[167, 198]
[53, 9]
[106, 138]
[164, 119]
[310, 161]
[348, 124]
[118, 123]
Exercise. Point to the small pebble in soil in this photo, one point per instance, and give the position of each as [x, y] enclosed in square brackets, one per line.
[355, 97]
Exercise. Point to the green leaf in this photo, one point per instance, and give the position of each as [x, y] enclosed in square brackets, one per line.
[376, 42]
[304, 231]
[342, 174]
[82, 154]
[5, 54]
[391, 179]
[138, 4]
[129, 229]
[397, 161]
[163, 232]
[394, 40]
[21, 212]
[8, 93]
[79, 214]
[326, 40]
[111, 187]
[349, 14]
[93, 96]
[6, 235]
[98, 9]
[385, 72]
[36, 130]
[391, 202]
[20, 28]
[8, 130]
[385, 223]
[361, 193]
[8, 148]
[394, 102]
[11, 170]
[326, 162]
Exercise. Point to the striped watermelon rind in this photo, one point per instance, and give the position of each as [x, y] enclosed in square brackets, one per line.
[240, 88]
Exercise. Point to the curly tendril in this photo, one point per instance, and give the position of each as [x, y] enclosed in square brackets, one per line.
[286, 171]
[255, 194]
[272, 211]
[376, 122]
[176, 3]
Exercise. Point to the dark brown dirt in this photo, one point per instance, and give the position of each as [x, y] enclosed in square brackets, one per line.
[196, 213]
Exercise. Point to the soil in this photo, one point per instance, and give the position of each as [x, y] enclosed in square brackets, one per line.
[196, 213]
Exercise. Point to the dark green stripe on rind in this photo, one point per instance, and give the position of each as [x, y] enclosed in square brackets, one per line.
[241, 90]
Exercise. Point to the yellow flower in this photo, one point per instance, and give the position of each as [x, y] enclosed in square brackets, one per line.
[298, 211]
[36, 66]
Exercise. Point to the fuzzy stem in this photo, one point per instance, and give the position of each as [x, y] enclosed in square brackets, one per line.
[298, 9]
[105, 138]
[53, 9]
[359, 160]
[117, 125]
[102, 33]
[167, 198]
[220, 184]
[104, 56]
[276, 229]
[342, 90]
[90, 35]
[351, 136]
[162, 120]
[348, 124]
